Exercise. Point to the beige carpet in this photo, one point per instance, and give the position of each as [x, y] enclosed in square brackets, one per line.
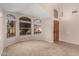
[41, 48]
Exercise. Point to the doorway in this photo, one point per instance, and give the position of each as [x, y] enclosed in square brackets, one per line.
[56, 30]
[56, 26]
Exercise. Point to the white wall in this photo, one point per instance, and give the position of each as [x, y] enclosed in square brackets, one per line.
[1, 32]
[69, 24]
[47, 28]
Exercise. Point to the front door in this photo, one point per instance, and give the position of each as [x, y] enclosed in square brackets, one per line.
[56, 30]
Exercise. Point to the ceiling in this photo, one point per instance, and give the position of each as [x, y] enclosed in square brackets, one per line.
[39, 10]
[34, 9]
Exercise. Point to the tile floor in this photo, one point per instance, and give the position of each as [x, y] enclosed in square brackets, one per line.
[41, 48]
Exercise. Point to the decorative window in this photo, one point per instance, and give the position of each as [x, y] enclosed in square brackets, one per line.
[25, 25]
[37, 26]
[11, 25]
[55, 13]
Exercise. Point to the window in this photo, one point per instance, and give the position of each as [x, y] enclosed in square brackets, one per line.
[55, 13]
[37, 26]
[25, 26]
[11, 25]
